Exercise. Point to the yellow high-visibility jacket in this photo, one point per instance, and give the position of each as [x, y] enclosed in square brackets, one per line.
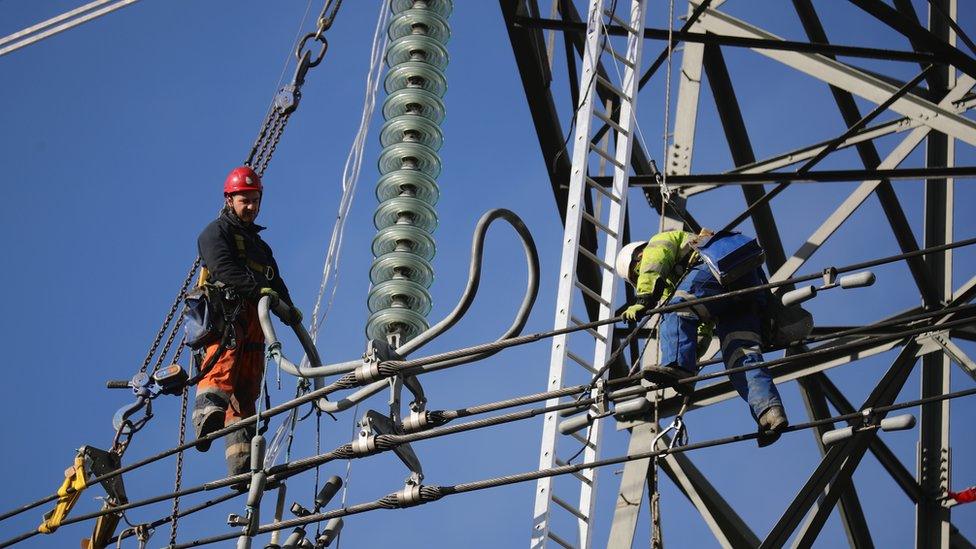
[663, 262]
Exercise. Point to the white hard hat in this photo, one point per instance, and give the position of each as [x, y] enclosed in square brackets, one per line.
[626, 257]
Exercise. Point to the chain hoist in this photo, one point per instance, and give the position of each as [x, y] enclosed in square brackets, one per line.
[287, 99]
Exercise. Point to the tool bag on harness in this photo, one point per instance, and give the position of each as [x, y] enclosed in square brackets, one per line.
[209, 316]
[782, 325]
[729, 255]
[200, 323]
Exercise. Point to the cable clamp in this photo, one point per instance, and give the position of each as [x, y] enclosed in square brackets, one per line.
[409, 496]
[829, 277]
[600, 397]
[416, 421]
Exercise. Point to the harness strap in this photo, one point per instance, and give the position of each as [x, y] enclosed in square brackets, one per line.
[259, 268]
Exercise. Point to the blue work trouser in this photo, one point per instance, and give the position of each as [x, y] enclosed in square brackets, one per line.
[737, 327]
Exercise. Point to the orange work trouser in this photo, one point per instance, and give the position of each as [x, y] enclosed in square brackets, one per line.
[234, 383]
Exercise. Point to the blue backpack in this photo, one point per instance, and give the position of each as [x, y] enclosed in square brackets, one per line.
[729, 255]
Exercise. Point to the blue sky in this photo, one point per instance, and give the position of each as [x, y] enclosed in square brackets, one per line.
[117, 136]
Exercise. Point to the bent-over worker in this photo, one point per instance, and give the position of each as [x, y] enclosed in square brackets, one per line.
[667, 268]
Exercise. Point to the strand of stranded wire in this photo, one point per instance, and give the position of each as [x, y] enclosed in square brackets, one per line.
[390, 368]
[428, 494]
[389, 442]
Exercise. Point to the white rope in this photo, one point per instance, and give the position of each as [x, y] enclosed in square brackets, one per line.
[350, 177]
[291, 50]
[665, 190]
[27, 37]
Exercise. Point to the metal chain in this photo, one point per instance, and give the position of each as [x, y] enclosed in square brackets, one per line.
[169, 343]
[287, 98]
[276, 132]
[179, 466]
[169, 316]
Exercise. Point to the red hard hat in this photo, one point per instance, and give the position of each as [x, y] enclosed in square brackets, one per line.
[241, 180]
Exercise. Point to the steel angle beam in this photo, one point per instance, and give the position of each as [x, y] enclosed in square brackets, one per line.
[864, 190]
[957, 355]
[815, 176]
[908, 10]
[964, 293]
[848, 78]
[851, 512]
[871, 159]
[935, 42]
[931, 515]
[528, 45]
[738, 41]
[726, 525]
[849, 451]
[633, 481]
[742, 153]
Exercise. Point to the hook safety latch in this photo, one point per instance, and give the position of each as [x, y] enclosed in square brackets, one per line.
[679, 434]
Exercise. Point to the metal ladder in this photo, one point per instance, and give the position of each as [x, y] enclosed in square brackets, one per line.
[608, 224]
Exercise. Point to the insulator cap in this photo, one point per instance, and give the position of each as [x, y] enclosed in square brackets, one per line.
[898, 423]
[799, 295]
[403, 50]
[837, 435]
[410, 156]
[857, 280]
[405, 264]
[399, 294]
[408, 21]
[412, 128]
[419, 213]
[328, 491]
[416, 75]
[396, 184]
[574, 424]
[419, 241]
[440, 7]
[414, 102]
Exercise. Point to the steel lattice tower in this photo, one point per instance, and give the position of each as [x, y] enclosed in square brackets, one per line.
[586, 173]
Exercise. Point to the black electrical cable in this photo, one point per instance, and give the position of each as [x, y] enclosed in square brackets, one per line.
[183, 512]
[427, 494]
[415, 366]
[389, 442]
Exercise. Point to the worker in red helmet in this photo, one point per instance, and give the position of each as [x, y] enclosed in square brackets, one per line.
[239, 265]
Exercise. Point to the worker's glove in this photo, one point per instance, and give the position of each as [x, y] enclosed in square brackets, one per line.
[270, 292]
[635, 311]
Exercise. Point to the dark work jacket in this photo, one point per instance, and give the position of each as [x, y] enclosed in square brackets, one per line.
[221, 255]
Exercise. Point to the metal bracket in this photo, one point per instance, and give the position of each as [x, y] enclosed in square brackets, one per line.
[829, 277]
[376, 423]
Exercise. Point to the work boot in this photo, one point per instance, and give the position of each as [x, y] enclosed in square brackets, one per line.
[237, 450]
[211, 421]
[772, 422]
[667, 377]
[209, 409]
